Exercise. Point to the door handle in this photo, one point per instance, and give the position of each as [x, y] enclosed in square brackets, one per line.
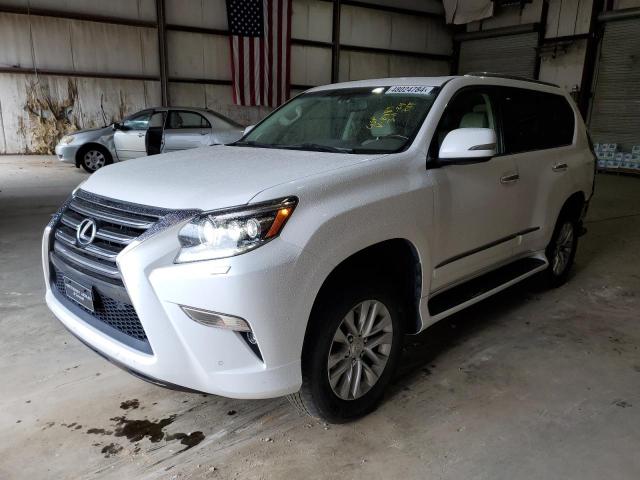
[560, 167]
[510, 178]
[141, 134]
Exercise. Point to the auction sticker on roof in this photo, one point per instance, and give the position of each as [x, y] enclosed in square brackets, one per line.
[416, 90]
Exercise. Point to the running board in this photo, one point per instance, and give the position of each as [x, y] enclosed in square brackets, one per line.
[462, 296]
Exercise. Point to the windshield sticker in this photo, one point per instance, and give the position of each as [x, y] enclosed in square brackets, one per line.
[389, 114]
[415, 90]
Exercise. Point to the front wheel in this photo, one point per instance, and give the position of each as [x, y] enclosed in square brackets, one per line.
[350, 354]
[561, 251]
[94, 158]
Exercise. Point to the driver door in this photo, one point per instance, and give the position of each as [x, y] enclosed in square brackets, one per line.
[129, 139]
[475, 203]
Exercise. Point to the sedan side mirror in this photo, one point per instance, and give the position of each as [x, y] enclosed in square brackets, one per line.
[467, 145]
[116, 126]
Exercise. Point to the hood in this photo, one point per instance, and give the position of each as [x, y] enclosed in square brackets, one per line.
[211, 177]
[98, 130]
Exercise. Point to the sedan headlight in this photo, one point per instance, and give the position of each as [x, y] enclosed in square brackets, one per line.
[66, 140]
[225, 233]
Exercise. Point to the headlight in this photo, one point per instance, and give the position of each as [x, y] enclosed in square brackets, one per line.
[230, 232]
[66, 140]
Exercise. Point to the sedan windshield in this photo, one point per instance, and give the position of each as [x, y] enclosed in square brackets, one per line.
[358, 120]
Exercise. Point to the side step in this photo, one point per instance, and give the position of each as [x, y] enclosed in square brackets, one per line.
[477, 289]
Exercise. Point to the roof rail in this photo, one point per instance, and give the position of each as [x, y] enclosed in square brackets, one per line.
[509, 77]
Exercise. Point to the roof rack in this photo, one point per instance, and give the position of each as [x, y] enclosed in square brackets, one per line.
[509, 77]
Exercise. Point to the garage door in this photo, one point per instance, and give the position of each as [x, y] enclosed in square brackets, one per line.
[509, 54]
[615, 111]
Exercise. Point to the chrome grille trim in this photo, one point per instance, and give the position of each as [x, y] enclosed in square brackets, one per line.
[68, 255]
[101, 213]
[104, 233]
[100, 252]
[118, 225]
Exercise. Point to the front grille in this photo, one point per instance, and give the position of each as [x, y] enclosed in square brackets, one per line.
[116, 314]
[93, 265]
[117, 225]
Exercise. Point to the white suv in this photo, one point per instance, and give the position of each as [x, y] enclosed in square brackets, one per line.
[293, 261]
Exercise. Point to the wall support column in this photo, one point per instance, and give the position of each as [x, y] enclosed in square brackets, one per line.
[162, 52]
[590, 59]
[335, 42]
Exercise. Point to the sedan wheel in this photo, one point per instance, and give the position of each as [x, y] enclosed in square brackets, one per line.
[93, 160]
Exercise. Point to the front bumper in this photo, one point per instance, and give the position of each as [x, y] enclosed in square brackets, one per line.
[67, 153]
[258, 286]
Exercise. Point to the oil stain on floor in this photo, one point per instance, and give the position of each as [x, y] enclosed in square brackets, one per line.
[136, 430]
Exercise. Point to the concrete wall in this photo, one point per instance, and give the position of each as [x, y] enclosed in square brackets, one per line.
[50, 48]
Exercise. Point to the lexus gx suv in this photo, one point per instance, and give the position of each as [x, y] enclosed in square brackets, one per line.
[293, 261]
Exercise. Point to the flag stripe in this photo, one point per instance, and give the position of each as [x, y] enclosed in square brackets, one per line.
[269, 37]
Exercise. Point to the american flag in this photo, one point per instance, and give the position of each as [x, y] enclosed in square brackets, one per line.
[260, 36]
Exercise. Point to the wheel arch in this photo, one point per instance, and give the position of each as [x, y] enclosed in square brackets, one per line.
[396, 258]
[573, 205]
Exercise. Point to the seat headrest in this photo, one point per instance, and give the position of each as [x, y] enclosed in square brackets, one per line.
[474, 120]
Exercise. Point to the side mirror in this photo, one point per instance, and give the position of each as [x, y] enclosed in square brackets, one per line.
[247, 129]
[466, 145]
[116, 126]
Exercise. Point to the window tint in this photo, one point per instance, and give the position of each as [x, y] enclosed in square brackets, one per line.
[535, 120]
[179, 119]
[470, 108]
[138, 121]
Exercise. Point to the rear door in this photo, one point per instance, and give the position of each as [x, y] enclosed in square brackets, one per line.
[538, 135]
[186, 129]
[475, 202]
[129, 141]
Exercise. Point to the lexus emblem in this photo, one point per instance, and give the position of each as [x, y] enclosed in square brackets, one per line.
[86, 232]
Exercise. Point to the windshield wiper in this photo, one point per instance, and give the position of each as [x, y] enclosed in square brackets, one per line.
[316, 147]
[251, 143]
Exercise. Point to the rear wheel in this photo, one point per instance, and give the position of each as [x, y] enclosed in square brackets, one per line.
[94, 158]
[561, 251]
[350, 354]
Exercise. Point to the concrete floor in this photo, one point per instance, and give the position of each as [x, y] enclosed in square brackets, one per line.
[528, 385]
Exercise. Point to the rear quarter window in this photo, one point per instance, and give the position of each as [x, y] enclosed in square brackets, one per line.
[535, 120]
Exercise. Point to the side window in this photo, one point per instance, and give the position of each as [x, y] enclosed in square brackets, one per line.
[470, 108]
[535, 120]
[180, 119]
[139, 121]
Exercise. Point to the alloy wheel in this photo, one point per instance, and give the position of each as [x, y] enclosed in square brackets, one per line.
[360, 349]
[563, 249]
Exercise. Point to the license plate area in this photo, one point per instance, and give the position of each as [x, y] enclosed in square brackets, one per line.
[79, 293]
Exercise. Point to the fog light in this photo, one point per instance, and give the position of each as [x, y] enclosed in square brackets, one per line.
[214, 319]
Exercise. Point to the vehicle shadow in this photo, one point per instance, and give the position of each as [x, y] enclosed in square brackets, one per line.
[421, 351]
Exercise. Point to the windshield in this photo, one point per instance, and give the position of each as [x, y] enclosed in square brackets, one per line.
[358, 120]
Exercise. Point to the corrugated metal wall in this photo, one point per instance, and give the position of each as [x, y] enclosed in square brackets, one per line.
[509, 54]
[615, 111]
[108, 69]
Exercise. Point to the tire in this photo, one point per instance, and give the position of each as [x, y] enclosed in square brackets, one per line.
[94, 157]
[561, 251]
[342, 400]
